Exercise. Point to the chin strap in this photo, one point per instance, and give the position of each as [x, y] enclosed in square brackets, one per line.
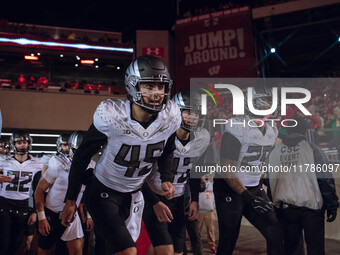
[21, 152]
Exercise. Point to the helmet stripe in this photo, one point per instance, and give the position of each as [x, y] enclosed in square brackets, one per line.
[136, 69]
[180, 99]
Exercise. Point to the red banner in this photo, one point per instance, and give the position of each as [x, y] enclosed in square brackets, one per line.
[218, 44]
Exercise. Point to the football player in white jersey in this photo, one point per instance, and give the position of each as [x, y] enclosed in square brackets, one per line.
[14, 195]
[56, 180]
[62, 147]
[5, 149]
[30, 228]
[62, 144]
[165, 219]
[240, 193]
[137, 132]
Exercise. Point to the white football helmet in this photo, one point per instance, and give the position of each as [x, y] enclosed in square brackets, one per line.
[74, 142]
[262, 99]
[62, 139]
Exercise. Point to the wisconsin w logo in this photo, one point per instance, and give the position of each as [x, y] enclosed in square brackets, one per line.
[214, 70]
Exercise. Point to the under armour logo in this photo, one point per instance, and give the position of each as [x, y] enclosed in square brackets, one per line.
[152, 51]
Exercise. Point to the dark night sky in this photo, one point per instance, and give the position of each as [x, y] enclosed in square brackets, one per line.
[117, 16]
[124, 16]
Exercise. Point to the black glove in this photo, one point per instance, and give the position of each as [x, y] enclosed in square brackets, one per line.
[260, 205]
[331, 214]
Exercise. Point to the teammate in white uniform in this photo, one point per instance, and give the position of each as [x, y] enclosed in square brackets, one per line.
[240, 193]
[62, 147]
[165, 219]
[5, 149]
[56, 180]
[136, 132]
[14, 195]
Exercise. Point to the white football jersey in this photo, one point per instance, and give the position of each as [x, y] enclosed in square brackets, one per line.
[57, 175]
[22, 176]
[131, 149]
[45, 158]
[184, 157]
[3, 157]
[255, 148]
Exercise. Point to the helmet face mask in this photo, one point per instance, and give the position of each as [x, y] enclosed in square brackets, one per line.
[190, 106]
[190, 119]
[147, 70]
[18, 136]
[152, 96]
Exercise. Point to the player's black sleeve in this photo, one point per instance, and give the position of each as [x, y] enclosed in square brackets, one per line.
[200, 160]
[34, 184]
[165, 161]
[92, 141]
[325, 180]
[36, 179]
[230, 147]
[195, 183]
[149, 194]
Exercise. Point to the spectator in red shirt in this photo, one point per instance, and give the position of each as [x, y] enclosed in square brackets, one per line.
[21, 79]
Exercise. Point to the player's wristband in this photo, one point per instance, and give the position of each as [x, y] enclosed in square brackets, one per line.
[88, 215]
[247, 196]
[41, 215]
